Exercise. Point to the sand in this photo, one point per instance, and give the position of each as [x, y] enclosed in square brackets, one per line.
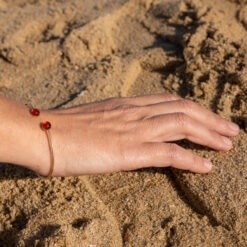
[64, 53]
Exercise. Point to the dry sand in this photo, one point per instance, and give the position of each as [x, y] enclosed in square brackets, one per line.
[57, 53]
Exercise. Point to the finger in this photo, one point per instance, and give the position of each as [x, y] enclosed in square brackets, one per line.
[151, 99]
[177, 126]
[167, 154]
[199, 113]
[112, 103]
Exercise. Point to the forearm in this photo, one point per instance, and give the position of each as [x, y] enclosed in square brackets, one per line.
[21, 140]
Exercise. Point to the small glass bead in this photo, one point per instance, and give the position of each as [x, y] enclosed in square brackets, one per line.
[35, 111]
[46, 125]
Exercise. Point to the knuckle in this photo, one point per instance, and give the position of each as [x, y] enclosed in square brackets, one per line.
[186, 105]
[169, 96]
[127, 110]
[152, 123]
[173, 151]
[181, 119]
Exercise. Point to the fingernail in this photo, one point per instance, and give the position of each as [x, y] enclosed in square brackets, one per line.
[234, 127]
[208, 164]
[227, 141]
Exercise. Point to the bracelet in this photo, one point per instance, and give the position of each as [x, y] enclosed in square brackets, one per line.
[46, 126]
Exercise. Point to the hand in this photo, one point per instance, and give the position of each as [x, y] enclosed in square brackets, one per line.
[129, 133]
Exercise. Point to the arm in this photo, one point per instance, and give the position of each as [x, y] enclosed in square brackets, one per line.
[113, 135]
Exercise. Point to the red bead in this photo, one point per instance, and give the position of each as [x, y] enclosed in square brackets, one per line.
[46, 125]
[35, 111]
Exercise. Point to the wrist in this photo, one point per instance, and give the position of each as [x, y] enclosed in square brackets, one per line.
[23, 142]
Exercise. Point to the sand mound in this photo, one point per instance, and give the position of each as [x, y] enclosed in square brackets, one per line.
[64, 53]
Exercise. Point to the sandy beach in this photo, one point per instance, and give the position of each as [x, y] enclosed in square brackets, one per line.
[58, 54]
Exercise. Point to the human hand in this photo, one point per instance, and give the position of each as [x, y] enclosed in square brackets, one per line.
[129, 133]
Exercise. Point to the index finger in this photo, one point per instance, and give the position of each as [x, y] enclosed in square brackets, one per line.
[207, 118]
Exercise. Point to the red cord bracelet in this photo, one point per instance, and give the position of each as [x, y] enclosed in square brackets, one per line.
[46, 126]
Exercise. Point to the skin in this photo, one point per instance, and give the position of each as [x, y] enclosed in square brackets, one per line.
[116, 134]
